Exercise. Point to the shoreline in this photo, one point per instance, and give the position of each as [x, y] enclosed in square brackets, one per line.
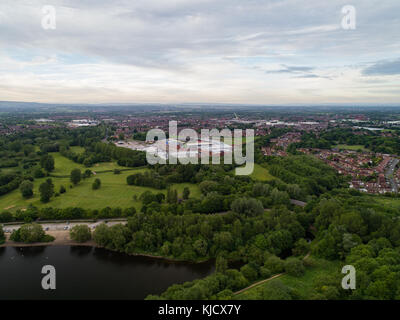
[62, 239]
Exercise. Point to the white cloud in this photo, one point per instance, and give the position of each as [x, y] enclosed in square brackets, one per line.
[196, 51]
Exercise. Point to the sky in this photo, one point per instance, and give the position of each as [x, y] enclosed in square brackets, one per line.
[205, 51]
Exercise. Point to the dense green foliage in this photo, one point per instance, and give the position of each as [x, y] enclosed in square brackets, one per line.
[2, 235]
[80, 233]
[30, 233]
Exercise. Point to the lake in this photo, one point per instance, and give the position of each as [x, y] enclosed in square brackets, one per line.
[90, 273]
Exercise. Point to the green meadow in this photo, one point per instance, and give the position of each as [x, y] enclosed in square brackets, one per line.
[260, 173]
[114, 191]
[303, 285]
[351, 147]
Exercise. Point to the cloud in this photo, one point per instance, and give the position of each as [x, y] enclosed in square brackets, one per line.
[383, 68]
[192, 50]
[291, 69]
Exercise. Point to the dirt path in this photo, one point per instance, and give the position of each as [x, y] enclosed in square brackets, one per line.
[265, 280]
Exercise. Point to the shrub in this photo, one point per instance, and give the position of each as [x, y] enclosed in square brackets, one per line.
[80, 233]
[26, 189]
[275, 264]
[249, 272]
[29, 233]
[96, 184]
[294, 267]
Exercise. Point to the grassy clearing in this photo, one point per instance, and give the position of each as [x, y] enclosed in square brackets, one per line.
[114, 191]
[351, 147]
[77, 149]
[303, 285]
[389, 202]
[64, 166]
[260, 173]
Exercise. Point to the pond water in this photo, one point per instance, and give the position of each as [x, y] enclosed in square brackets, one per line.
[90, 273]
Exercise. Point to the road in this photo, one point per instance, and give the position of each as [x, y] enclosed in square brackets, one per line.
[59, 226]
[389, 174]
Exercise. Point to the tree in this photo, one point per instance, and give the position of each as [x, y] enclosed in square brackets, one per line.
[29, 233]
[172, 196]
[96, 184]
[247, 207]
[274, 263]
[80, 233]
[46, 190]
[47, 162]
[208, 186]
[75, 176]
[26, 188]
[200, 246]
[249, 272]
[294, 267]
[2, 236]
[276, 290]
[221, 264]
[101, 235]
[87, 174]
[38, 173]
[186, 193]
[62, 189]
[261, 190]
[301, 247]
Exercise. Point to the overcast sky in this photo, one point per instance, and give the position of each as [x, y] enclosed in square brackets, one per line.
[226, 51]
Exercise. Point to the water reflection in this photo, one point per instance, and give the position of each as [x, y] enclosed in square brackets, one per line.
[29, 251]
[90, 273]
[80, 250]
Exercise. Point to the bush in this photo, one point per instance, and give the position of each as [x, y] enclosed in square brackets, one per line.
[276, 290]
[265, 272]
[301, 247]
[29, 233]
[80, 233]
[6, 217]
[96, 184]
[249, 272]
[62, 189]
[2, 236]
[274, 264]
[294, 267]
[75, 176]
[26, 189]
[247, 207]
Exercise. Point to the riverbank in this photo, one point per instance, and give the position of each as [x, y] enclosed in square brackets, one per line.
[62, 238]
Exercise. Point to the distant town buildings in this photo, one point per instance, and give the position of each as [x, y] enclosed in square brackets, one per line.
[83, 123]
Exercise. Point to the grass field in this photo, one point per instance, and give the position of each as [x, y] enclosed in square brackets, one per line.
[351, 147]
[389, 202]
[64, 166]
[260, 173]
[77, 149]
[114, 191]
[303, 285]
